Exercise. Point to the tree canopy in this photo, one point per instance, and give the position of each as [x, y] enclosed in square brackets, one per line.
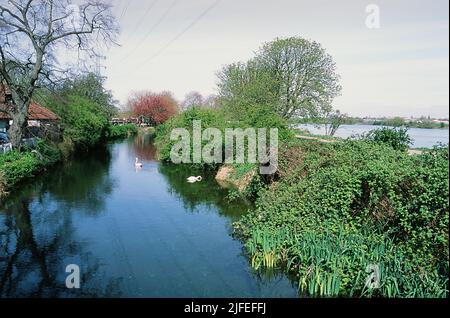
[295, 76]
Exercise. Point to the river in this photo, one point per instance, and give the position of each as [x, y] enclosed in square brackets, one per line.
[421, 138]
[133, 233]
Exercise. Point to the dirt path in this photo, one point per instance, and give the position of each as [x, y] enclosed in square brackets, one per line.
[410, 151]
[316, 138]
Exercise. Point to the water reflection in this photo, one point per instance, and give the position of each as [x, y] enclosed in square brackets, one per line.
[207, 192]
[145, 234]
[143, 147]
[37, 246]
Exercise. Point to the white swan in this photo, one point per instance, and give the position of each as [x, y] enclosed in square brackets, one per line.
[138, 164]
[193, 179]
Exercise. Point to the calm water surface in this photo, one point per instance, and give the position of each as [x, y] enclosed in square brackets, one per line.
[144, 233]
[421, 138]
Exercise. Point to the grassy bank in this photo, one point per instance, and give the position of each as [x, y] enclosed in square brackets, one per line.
[424, 123]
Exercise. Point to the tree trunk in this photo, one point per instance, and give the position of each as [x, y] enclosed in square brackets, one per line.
[16, 131]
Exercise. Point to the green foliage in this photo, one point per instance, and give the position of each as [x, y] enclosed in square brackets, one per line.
[16, 166]
[209, 119]
[122, 131]
[397, 138]
[392, 122]
[260, 118]
[91, 86]
[293, 75]
[84, 121]
[424, 123]
[340, 207]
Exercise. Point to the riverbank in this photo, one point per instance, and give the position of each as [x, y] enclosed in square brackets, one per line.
[333, 209]
[421, 138]
[397, 122]
[16, 167]
[337, 208]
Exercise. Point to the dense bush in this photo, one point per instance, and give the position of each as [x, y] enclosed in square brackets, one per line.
[380, 204]
[216, 119]
[85, 122]
[16, 166]
[209, 118]
[122, 131]
[397, 138]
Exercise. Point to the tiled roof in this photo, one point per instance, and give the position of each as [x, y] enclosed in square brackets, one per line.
[35, 111]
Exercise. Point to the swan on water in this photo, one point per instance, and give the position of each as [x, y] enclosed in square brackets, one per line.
[138, 164]
[193, 179]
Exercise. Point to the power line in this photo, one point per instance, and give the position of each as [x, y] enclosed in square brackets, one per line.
[153, 27]
[152, 4]
[176, 37]
[125, 8]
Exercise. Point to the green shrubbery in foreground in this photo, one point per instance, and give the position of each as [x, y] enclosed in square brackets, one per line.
[338, 208]
[16, 166]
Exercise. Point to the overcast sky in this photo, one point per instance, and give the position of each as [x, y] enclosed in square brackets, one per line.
[402, 68]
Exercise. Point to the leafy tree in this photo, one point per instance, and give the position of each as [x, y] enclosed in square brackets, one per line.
[91, 86]
[84, 121]
[294, 75]
[155, 107]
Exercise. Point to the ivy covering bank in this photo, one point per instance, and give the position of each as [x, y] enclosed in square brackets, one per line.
[339, 208]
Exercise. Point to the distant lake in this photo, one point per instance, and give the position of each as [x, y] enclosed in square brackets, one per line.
[420, 137]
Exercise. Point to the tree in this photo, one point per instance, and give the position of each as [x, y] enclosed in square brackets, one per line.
[192, 99]
[92, 87]
[333, 120]
[296, 76]
[31, 34]
[157, 108]
[211, 101]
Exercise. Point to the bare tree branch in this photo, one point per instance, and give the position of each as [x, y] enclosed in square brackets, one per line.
[33, 32]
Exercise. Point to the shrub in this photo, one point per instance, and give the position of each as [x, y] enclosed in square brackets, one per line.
[3, 191]
[85, 122]
[209, 118]
[122, 131]
[16, 166]
[368, 197]
[397, 138]
[216, 119]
